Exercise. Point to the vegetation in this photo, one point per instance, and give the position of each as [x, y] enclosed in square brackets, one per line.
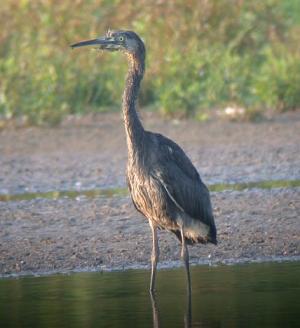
[201, 55]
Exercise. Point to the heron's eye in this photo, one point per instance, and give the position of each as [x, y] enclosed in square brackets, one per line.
[121, 38]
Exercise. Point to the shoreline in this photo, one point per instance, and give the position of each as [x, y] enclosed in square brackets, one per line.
[161, 266]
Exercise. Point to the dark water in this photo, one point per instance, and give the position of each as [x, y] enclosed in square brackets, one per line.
[110, 192]
[254, 295]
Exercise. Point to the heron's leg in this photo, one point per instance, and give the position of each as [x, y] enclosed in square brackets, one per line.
[188, 313]
[155, 311]
[154, 256]
[185, 258]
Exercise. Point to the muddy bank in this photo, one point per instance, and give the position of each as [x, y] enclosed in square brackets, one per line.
[91, 152]
[44, 235]
[67, 234]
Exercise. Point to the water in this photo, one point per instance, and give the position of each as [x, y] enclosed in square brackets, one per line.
[110, 192]
[253, 295]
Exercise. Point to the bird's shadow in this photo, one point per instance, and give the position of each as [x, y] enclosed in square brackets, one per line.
[156, 313]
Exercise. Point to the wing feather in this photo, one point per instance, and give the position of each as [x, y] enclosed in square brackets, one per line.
[182, 182]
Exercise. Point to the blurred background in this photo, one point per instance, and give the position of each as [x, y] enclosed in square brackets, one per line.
[202, 55]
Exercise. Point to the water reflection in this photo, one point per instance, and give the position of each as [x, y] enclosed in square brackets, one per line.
[259, 295]
[188, 313]
[156, 314]
[155, 311]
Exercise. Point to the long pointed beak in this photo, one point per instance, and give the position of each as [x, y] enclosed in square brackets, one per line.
[103, 43]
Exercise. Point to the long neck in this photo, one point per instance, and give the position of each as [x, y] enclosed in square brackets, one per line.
[133, 126]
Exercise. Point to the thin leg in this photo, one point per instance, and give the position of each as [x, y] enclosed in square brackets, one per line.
[154, 257]
[188, 313]
[155, 311]
[185, 258]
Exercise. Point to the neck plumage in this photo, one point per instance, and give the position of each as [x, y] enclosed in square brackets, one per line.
[133, 126]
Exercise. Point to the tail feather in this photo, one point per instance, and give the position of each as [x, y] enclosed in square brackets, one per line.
[213, 234]
[210, 238]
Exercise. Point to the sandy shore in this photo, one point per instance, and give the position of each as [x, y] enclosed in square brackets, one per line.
[63, 235]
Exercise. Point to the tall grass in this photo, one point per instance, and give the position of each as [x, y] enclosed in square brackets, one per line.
[201, 55]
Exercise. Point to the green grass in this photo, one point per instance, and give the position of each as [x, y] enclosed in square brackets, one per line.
[205, 55]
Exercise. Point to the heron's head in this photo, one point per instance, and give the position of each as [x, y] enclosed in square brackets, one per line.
[126, 41]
